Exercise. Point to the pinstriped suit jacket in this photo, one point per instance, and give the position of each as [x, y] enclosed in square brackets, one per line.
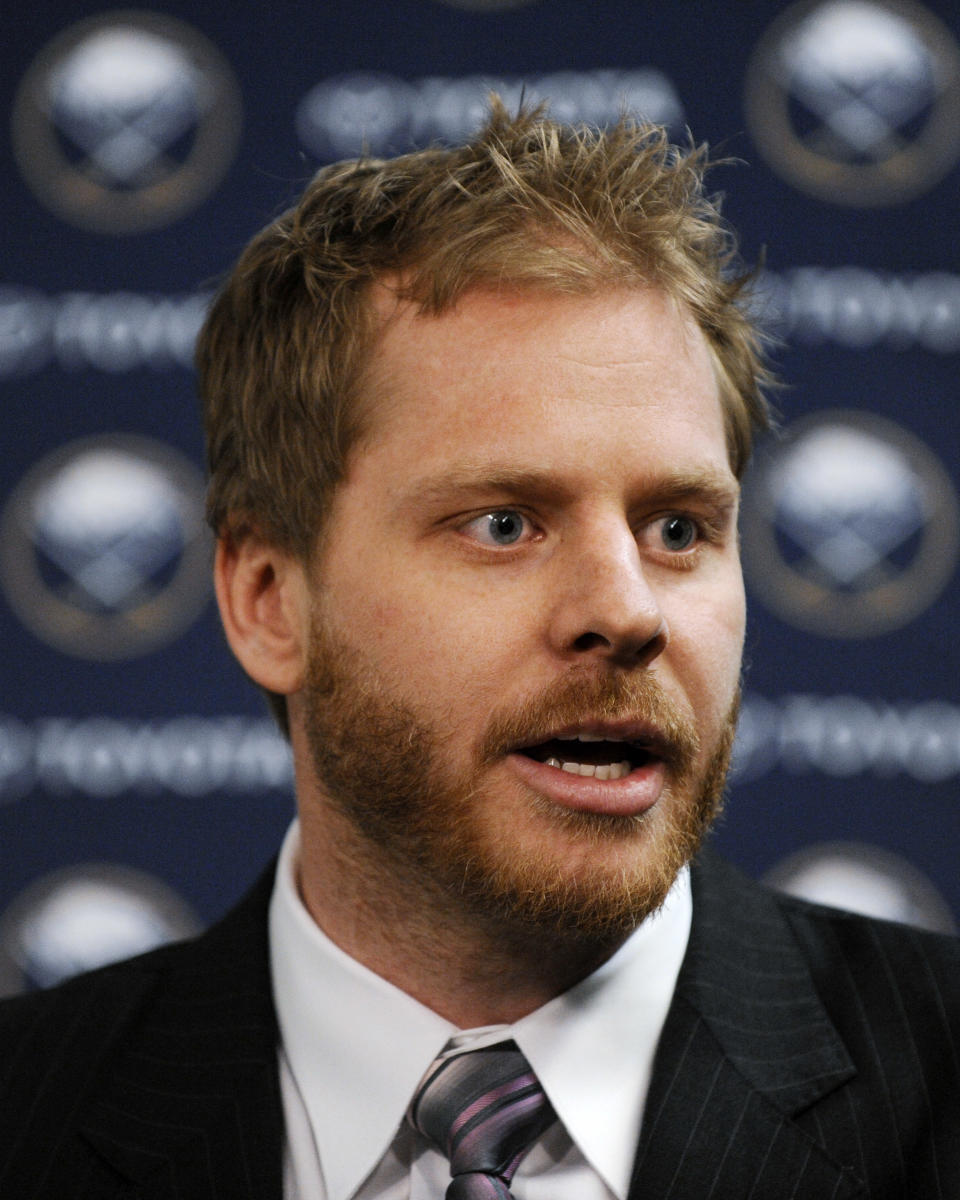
[808, 1055]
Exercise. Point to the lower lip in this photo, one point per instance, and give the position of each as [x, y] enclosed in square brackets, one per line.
[630, 796]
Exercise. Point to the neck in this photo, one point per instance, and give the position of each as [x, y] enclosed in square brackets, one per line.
[470, 968]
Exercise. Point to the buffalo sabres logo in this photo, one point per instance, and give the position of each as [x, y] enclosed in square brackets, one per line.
[857, 101]
[849, 526]
[863, 878]
[126, 121]
[103, 548]
[83, 917]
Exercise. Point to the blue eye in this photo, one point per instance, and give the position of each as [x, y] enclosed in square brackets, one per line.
[504, 527]
[501, 527]
[678, 533]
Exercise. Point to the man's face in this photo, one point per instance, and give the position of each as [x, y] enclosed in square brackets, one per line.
[529, 610]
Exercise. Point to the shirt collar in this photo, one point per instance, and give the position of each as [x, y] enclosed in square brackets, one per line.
[592, 1047]
[348, 1035]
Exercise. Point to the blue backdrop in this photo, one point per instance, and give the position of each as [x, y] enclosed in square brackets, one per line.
[141, 786]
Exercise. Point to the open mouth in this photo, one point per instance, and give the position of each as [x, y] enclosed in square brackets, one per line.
[592, 757]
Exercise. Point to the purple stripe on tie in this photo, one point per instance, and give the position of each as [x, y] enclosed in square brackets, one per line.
[513, 1085]
[490, 1130]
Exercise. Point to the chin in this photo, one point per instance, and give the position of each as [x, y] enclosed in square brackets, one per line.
[583, 875]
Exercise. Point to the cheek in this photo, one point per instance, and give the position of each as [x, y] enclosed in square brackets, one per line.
[731, 625]
[724, 610]
[427, 637]
[707, 649]
[726, 650]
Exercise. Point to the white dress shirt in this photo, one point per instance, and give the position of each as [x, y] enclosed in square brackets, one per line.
[354, 1047]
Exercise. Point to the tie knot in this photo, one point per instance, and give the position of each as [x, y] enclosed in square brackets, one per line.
[482, 1108]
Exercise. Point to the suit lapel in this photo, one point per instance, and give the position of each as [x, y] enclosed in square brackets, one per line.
[747, 1046]
[194, 1107]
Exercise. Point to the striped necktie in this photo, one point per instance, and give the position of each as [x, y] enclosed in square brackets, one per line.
[482, 1108]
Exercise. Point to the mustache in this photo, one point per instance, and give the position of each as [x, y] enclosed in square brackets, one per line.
[581, 699]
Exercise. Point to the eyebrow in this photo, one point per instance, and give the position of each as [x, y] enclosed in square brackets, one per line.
[706, 486]
[719, 491]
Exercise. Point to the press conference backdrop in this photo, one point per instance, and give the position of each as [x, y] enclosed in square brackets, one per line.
[141, 784]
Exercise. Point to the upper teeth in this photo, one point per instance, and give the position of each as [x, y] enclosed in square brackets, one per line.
[616, 770]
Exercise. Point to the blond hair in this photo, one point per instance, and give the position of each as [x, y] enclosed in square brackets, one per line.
[527, 203]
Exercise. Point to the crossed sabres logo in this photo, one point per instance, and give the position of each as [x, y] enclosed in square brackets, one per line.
[857, 101]
[82, 917]
[126, 121]
[104, 553]
[849, 526]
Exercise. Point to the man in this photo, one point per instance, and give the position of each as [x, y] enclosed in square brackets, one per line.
[476, 420]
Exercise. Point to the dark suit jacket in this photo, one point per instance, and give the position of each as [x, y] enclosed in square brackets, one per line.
[808, 1055]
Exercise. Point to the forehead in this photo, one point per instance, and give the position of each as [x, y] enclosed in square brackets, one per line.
[501, 361]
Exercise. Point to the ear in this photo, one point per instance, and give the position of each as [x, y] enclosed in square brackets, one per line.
[265, 608]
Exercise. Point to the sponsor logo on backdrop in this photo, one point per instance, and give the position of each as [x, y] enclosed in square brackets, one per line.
[849, 526]
[111, 332]
[126, 121]
[857, 101]
[104, 552]
[856, 308]
[865, 879]
[846, 736]
[102, 757]
[379, 114]
[84, 917]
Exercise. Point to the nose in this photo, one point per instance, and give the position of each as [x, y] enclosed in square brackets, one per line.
[605, 607]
